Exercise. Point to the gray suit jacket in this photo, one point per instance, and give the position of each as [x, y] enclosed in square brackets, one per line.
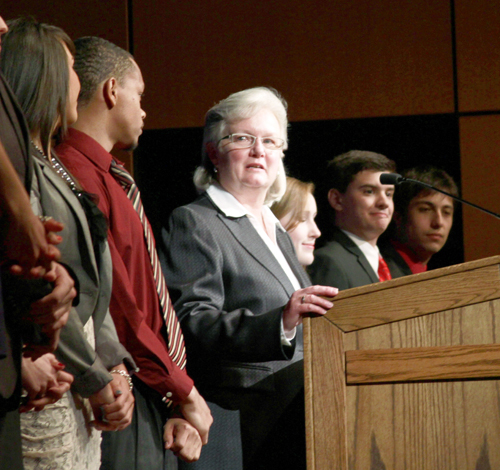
[51, 196]
[340, 263]
[229, 292]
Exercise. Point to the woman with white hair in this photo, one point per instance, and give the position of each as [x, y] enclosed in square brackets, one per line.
[239, 290]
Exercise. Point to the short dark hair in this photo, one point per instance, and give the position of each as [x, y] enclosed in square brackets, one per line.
[97, 60]
[35, 65]
[427, 174]
[342, 169]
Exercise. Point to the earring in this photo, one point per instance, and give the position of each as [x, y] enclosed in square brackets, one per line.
[215, 169]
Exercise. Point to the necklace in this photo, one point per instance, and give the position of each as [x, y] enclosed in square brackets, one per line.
[60, 170]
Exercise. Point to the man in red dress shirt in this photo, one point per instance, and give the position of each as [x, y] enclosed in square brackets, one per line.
[110, 115]
[422, 221]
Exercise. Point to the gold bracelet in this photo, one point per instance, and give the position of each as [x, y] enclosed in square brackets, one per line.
[124, 374]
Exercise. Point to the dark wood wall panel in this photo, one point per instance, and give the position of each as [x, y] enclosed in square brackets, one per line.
[107, 19]
[480, 162]
[478, 54]
[331, 60]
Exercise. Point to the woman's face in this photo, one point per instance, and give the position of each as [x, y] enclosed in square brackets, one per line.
[305, 232]
[249, 169]
[74, 90]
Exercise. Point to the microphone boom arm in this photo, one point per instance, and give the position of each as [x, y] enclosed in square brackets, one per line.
[394, 178]
[494, 214]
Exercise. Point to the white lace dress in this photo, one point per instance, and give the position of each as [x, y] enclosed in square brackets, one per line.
[59, 437]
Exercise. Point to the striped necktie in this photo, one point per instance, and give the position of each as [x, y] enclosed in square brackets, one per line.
[383, 270]
[176, 348]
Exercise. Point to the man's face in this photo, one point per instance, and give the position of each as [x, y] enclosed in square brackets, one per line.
[3, 29]
[129, 114]
[428, 223]
[366, 207]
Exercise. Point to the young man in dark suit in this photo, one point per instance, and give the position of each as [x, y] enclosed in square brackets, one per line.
[363, 208]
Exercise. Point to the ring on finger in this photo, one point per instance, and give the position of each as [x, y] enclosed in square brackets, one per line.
[303, 299]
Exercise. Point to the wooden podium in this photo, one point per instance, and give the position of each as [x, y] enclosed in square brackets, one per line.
[405, 374]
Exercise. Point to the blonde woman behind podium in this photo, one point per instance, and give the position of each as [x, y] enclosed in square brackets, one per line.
[296, 211]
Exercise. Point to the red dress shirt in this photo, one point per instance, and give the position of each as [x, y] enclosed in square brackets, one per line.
[409, 257]
[134, 306]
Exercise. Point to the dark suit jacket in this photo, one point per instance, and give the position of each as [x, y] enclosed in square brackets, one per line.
[340, 263]
[397, 265]
[229, 292]
[14, 133]
[14, 137]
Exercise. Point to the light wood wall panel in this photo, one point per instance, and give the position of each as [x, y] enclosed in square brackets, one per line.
[480, 161]
[331, 60]
[478, 54]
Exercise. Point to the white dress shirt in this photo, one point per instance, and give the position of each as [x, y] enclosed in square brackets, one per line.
[231, 207]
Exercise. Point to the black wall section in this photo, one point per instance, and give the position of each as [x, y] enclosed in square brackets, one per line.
[165, 161]
[164, 164]
[408, 140]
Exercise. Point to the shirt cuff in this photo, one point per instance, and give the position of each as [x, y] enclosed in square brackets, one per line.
[287, 338]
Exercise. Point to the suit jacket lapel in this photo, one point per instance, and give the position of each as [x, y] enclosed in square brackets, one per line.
[354, 249]
[245, 234]
[57, 182]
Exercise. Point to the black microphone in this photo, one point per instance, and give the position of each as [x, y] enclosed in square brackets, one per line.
[394, 178]
[391, 178]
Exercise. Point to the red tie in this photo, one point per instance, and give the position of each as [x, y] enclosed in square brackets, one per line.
[383, 270]
[176, 348]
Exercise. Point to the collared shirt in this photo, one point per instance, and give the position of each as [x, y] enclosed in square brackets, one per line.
[134, 306]
[231, 207]
[371, 252]
[409, 257]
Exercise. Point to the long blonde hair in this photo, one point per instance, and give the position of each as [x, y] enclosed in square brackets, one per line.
[293, 201]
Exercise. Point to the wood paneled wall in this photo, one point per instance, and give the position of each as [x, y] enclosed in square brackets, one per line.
[331, 60]
[478, 77]
[108, 19]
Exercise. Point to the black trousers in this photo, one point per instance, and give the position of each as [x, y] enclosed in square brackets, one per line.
[10, 441]
[10, 425]
[140, 446]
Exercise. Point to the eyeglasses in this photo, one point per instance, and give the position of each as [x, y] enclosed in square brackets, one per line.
[244, 141]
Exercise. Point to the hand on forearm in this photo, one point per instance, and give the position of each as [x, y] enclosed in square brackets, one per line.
[195, 410]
